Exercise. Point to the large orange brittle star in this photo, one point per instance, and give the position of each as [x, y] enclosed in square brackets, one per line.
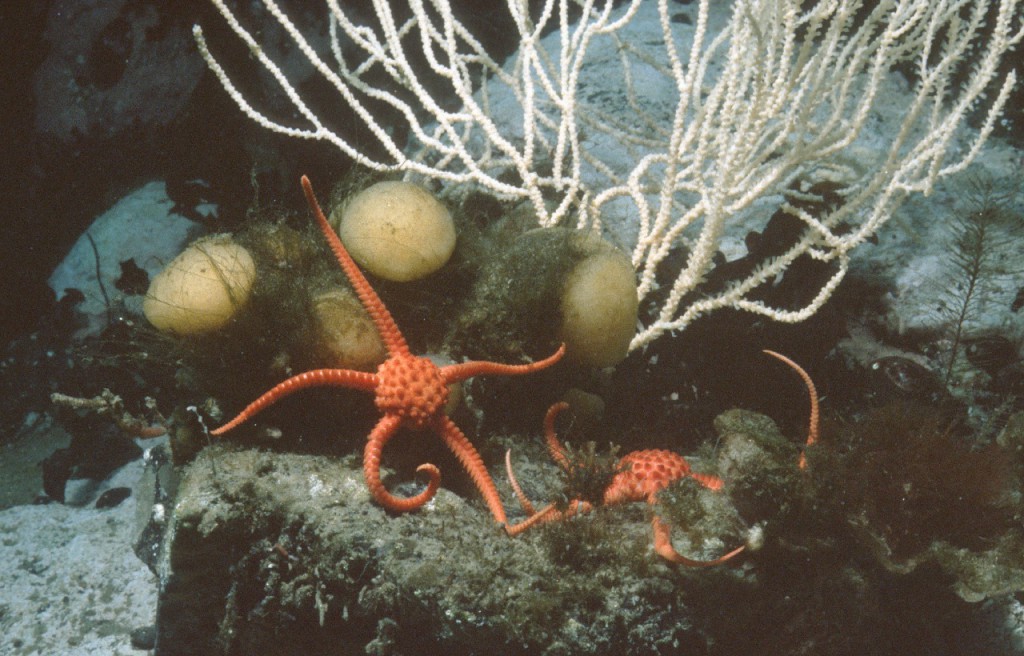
[641, 475]
[410, 390]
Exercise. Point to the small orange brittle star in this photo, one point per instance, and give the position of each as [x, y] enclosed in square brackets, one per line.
[641, 475]
[411, 391]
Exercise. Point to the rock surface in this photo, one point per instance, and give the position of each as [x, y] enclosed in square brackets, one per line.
[71, 583]
[269, 545]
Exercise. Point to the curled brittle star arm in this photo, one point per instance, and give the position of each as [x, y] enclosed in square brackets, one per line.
[548, 513]
[555, 447]
[815, 414]
[524, 501]
[379, 436]
[663, 546]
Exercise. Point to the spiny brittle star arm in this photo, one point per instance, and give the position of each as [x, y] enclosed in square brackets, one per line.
[470, 458]
[455, 372]
[360, 380]
[382, 319]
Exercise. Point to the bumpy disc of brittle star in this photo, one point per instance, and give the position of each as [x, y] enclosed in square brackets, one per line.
[649, 471]
[412, 388]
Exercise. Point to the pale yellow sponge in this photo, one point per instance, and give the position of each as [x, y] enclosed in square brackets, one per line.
[599, 305]
[397, 231]
[345, 334]
[201, 289]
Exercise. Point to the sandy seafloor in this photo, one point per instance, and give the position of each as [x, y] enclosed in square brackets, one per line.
[72, 584]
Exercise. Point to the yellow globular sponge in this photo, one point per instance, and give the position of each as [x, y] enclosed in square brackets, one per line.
[599, 305]
[345, 334]
[396, 230]
[201, 289]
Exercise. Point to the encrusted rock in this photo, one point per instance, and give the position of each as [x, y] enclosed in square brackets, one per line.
[265, 545]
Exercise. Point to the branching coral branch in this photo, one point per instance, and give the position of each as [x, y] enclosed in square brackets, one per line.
[777, 99]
